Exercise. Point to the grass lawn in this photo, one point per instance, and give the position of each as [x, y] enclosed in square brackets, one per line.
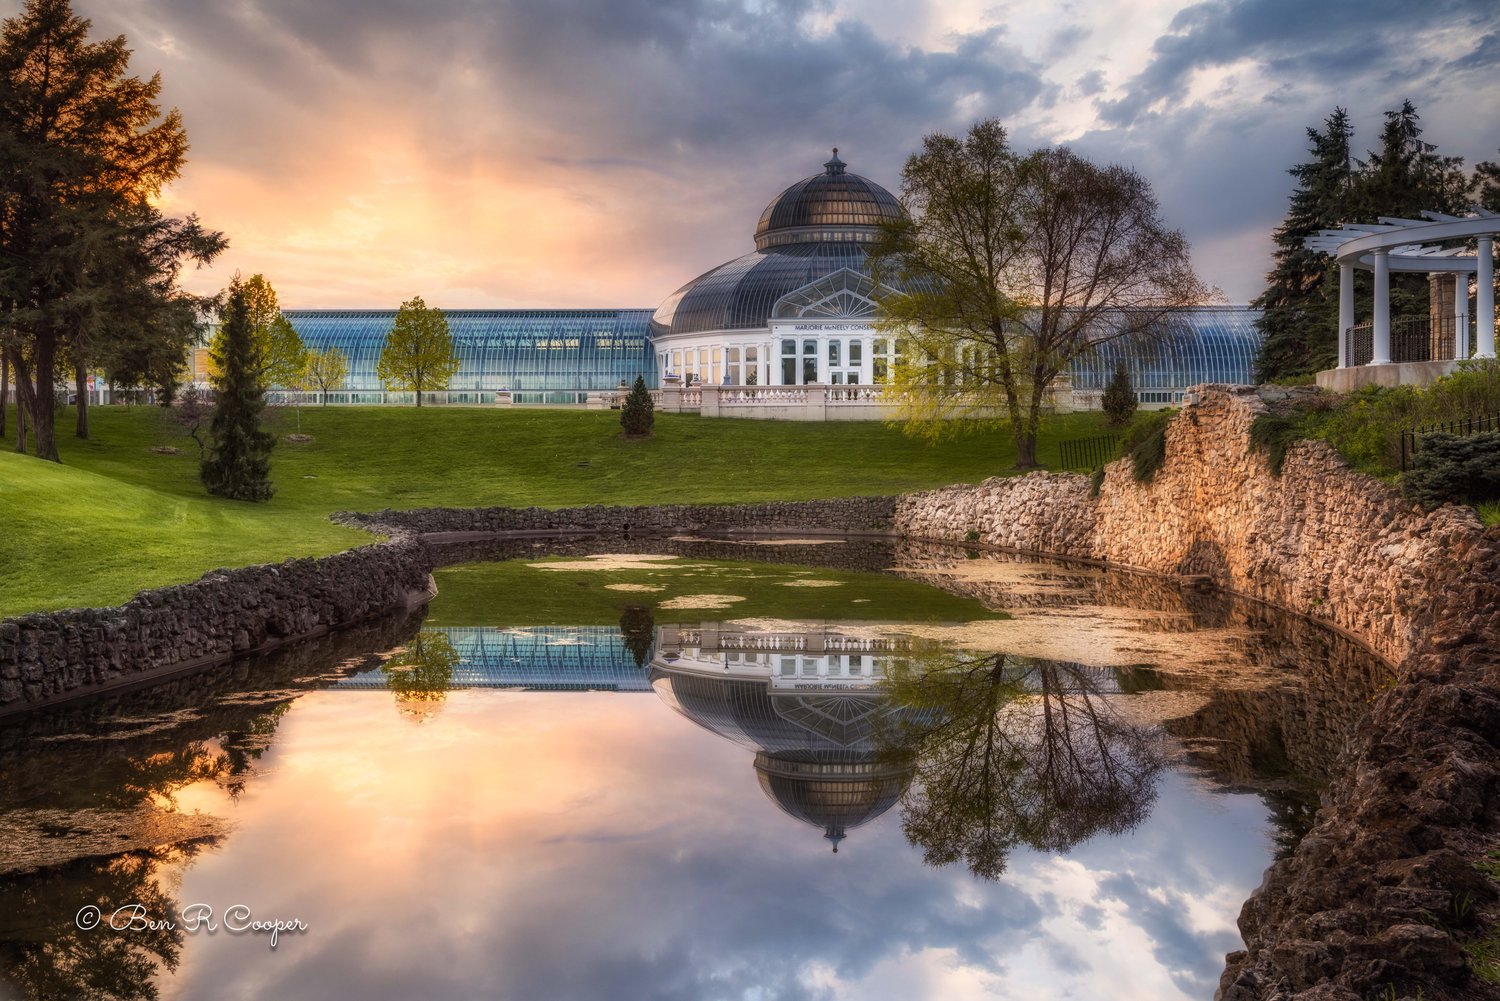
[589, 592]
[116, 517]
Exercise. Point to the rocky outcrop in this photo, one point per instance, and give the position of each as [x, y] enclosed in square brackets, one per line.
[48, 657]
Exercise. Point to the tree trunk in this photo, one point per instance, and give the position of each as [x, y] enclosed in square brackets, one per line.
[419, 397]
[81, 389]
[4, 388]
[25, 404]
[1025, 448]
[43, 411]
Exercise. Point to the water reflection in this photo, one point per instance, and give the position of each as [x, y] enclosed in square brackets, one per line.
[1014, 751]
[529, 876]
[421, 673]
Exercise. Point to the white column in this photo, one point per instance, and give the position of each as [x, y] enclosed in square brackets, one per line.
[1461, 317]
[1346, 311]
[1484, 298]
[1382, 325]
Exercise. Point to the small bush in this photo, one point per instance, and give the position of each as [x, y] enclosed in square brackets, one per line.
[1119, 398]
[638, 415]
[1096, 481]
[1273, 436]
[1145, 441]
[1463, 470]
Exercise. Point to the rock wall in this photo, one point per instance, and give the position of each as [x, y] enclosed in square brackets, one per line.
[1321, 539]
[852, 514]
[48, 657]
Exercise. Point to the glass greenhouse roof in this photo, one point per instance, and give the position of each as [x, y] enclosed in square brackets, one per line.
[1202, 344]
[554, 352]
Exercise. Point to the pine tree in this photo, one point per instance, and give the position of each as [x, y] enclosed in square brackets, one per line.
[1296, 321]
[238, 465]
[1485, 185]
[1119, 398]
[638, 416]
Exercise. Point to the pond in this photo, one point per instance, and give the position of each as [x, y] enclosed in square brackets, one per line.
[687, 769]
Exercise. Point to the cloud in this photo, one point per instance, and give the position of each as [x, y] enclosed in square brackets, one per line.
[594, 153]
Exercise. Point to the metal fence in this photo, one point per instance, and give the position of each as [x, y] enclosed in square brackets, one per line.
[1087, 454]
[1414, 338]
[1411, 439]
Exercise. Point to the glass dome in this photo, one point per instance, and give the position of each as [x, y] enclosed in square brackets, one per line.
[833, 205]
[815, 227]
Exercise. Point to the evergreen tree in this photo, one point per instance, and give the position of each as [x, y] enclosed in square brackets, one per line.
[238, 465]
[1485, 185]
[1296, 321]
[81, 142]
[638, 415]
[418, 351]
[1119, 398]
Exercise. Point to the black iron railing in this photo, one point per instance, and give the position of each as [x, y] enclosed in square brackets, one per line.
[1088, 454]
[1413, 338]
[1411, 438]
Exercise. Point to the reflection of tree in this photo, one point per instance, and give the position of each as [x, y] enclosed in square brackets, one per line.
[638, 631]
[47, 957]
[421, 673]
[1011, 751]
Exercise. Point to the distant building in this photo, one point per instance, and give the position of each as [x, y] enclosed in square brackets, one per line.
[798, 310]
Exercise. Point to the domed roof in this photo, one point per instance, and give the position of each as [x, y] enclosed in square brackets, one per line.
[833, 205]
[819, 225]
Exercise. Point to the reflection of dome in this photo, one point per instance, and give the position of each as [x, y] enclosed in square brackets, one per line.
[816, 756]
[819, 225]
[836, 792]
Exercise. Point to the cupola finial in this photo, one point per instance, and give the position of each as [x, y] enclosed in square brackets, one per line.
[834, 166]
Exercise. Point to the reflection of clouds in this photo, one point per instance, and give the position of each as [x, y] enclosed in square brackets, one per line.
[589, 848]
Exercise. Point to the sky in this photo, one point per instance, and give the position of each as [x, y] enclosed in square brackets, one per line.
[601, 153]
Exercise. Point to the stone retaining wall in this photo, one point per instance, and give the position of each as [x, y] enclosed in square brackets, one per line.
[51, 656]
[1321, 539]
[851, 514]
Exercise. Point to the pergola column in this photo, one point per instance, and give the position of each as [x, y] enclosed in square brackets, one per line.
[1346, 311]
[1382, 325]
[1484, 298]
[1461, 315]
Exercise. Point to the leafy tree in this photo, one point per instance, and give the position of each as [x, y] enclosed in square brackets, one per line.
[83, 147]
[238, 465]
[1119, 398]
[327, 369]
[1300, 302]
[638, 415]
[1013, 267]
[418, 353]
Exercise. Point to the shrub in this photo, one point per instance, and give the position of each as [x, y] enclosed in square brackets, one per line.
[1096, 481]
[638, 415]
[1449, 467]
[1145, 441]
[1273, 435]
[1119, 398]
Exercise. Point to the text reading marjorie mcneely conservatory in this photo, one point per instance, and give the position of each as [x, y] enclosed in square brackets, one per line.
[237, 919]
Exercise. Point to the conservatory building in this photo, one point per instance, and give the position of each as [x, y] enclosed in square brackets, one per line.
[788, 330]
[800, 310]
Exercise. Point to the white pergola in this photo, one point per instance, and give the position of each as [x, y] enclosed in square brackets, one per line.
[1416, 245]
